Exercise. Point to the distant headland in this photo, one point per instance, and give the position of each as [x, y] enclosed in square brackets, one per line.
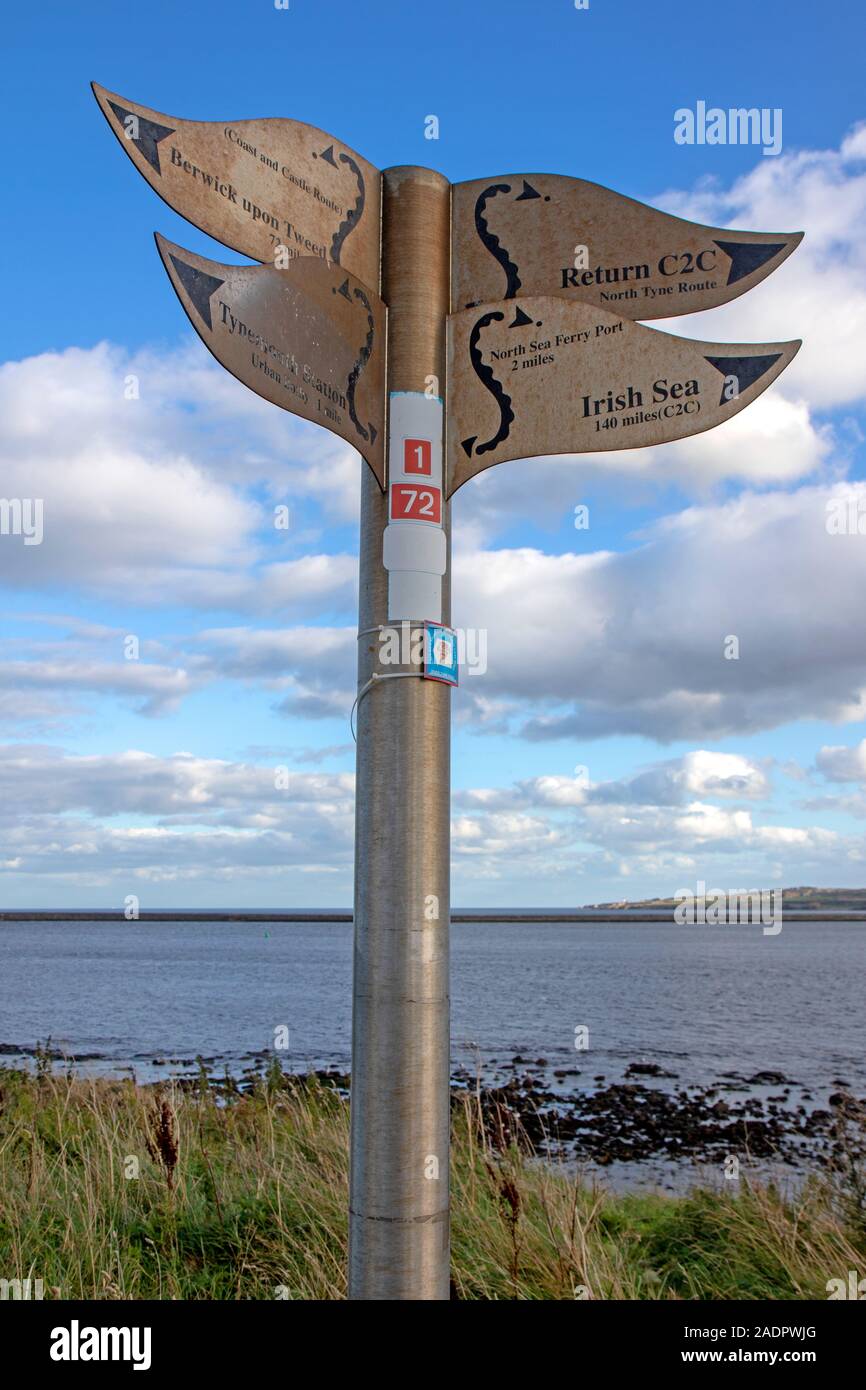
[803, 904]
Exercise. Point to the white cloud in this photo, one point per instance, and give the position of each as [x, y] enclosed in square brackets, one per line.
[156, 689]
[635, 643]
[722, 774]
[310, 670]
[840, 763]
[819, 293]
[154, 495]
[210, 820]
[313, 668]
[774, 442]
[131, 821]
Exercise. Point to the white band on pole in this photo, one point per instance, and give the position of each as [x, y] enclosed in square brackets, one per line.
[414, 548]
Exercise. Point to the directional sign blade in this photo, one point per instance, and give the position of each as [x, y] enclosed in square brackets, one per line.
[545, 375]
[256, 185]
[309, 338]
[550, 234]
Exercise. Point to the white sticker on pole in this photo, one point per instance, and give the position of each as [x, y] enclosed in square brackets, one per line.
[414, 547]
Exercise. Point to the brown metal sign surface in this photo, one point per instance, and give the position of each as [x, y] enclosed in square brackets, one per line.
[546, 375]
[256, 185]
[551, 234]
[310, 338]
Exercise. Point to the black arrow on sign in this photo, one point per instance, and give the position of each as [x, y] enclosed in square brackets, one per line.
[745, 370]
[149, 133]
[747, 256]
[198, 285]
[528, 192]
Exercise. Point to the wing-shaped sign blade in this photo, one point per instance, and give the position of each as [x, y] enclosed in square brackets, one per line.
[550, 234]
[309, 338]
[258, 185]
[545, 375]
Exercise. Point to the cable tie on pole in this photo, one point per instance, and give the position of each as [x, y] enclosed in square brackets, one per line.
[378, 676]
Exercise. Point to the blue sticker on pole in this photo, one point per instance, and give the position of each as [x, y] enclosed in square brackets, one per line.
[440, 654]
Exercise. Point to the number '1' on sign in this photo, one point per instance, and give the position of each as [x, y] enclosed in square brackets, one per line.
[418, 456]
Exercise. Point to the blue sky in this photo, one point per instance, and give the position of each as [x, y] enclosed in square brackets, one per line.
[156, 777]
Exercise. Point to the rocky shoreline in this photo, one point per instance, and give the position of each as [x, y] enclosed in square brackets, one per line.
[632, 1121]
[646, 1119]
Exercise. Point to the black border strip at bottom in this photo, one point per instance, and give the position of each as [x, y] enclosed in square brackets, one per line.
[223, 1338]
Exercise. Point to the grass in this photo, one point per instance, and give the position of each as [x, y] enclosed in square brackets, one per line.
[112, 1190]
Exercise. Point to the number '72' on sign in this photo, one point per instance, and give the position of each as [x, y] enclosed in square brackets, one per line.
[416, 503]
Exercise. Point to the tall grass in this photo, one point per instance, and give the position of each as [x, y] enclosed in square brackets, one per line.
[109, 1190]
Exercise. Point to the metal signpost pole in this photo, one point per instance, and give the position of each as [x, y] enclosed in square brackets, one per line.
[486, 282]
[398, 1206]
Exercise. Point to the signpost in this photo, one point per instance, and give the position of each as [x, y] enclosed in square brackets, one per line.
[549, 234]
[539, 354]
[309, 338]
[616, 384]
[255, 185]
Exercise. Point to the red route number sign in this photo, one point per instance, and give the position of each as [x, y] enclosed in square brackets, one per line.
[410, 503]
[418, 457]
